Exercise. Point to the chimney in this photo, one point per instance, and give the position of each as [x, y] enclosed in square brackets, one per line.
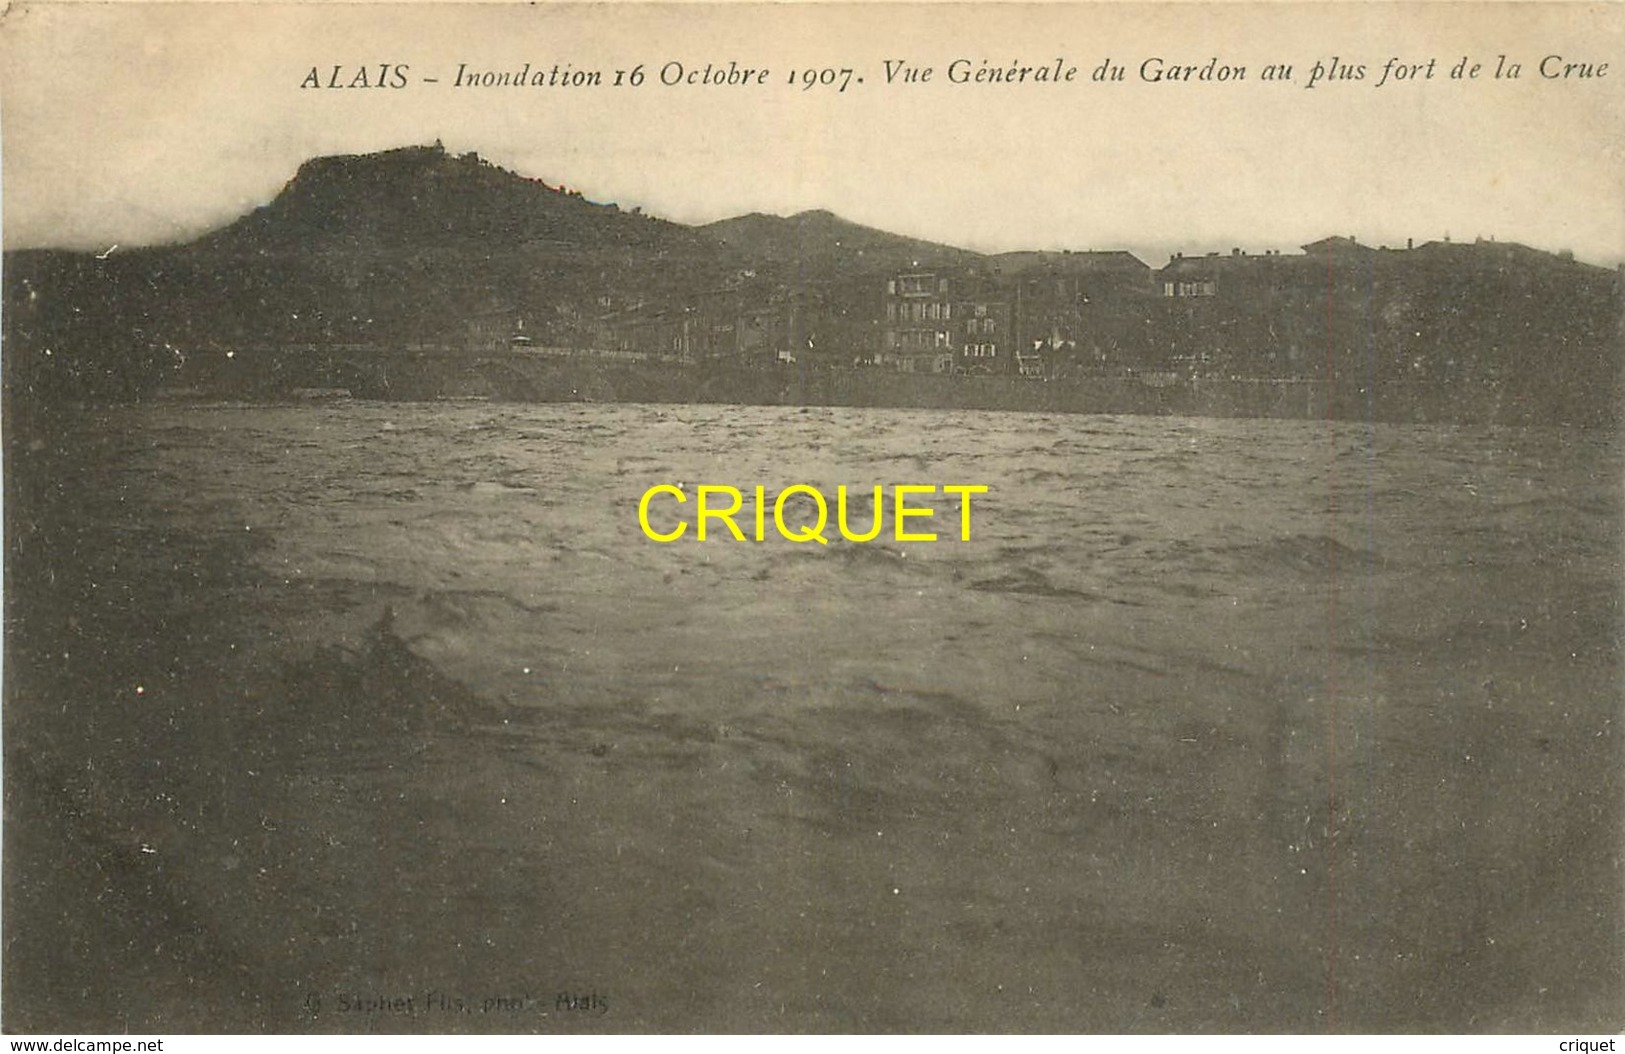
[1410, 243]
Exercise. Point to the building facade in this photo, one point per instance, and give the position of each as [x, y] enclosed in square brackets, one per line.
[918, 334]
[987, 335]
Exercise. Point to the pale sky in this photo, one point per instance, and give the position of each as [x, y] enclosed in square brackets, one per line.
[145, 123]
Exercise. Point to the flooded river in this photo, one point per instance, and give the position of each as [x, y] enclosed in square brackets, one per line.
[385, 717]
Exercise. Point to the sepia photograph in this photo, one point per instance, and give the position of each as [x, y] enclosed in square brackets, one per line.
[812, 518]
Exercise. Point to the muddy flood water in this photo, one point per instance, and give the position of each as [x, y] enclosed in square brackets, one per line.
[388, 718]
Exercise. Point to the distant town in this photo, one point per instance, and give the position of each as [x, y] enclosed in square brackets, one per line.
[1032, 315]
[415, 273]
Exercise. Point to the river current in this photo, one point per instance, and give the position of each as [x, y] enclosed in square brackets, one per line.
[1210, 725]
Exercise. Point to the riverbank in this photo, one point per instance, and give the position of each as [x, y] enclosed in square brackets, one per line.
[564, 376]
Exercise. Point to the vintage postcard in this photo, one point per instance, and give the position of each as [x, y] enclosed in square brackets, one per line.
[849, 518]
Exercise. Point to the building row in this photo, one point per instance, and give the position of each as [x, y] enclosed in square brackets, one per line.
[1033, 315]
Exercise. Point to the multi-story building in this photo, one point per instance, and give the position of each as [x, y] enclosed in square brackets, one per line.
[987, 328]
[919, 334]
[1076, 310]
[1216, 274]
[1028, 315]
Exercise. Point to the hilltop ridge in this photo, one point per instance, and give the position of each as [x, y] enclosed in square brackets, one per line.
[818, 239]
[425, 198]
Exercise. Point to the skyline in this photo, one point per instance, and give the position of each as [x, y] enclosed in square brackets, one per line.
[155, 125]
[1153, 259]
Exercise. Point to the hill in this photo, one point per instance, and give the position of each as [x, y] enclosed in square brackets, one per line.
[821, 244]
